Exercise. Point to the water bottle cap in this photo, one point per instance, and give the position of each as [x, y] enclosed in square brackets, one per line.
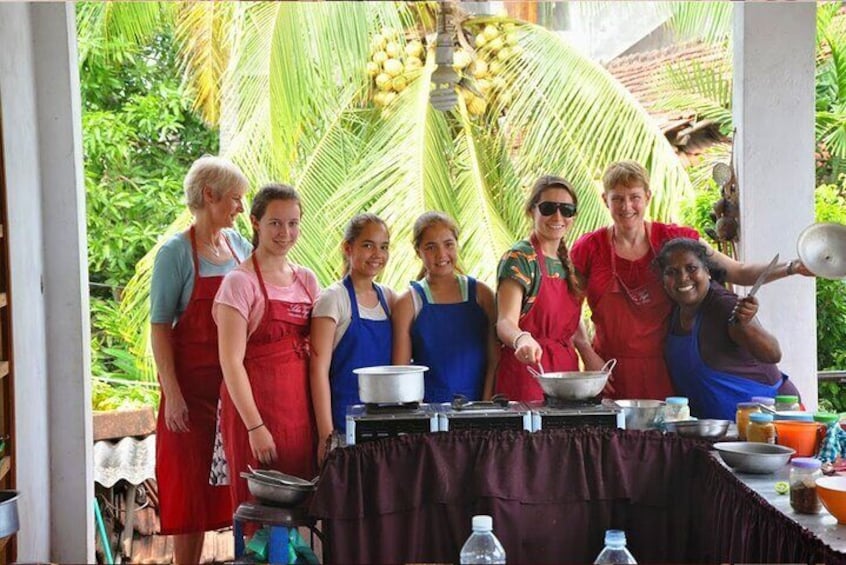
[677, 400]
[482, 523]
[615, 537]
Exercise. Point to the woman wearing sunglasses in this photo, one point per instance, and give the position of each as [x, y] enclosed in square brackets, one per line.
[539, 298]
[629, 307]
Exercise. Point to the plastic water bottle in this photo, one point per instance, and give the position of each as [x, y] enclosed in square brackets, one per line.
[615, 550]
[482, 546]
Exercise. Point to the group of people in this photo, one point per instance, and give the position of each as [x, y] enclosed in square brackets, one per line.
[252, 353]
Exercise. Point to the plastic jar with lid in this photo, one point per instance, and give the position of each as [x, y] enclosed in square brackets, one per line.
[676, 409]
[767, 401]
[804, 472]
[741, 417]
[787, 402]
[761, 428]
[826, 418]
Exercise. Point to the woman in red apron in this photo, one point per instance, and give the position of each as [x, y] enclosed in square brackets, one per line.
[629, 307]
[262, 311]
[187, 273]
[539, 297]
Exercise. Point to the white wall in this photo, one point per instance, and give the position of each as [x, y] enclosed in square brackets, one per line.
[23, 185]
[774, 115]
[39, 92]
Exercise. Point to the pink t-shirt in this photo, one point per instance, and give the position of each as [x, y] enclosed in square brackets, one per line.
[240, 289]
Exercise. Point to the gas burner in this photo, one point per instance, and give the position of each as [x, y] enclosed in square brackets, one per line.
[497, 402]
[553, 402]
[392, 408]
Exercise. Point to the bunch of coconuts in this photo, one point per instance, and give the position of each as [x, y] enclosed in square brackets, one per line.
[493, 46]
[391, 62]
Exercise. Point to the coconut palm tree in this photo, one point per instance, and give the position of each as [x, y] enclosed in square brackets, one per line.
[290, 86]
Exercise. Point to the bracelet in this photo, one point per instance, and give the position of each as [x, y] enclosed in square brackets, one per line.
[517, 338]
[791, 267]
[254, 428]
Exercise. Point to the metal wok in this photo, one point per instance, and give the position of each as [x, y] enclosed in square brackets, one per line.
[574, 385]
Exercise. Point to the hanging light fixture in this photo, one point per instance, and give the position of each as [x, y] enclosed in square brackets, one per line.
[443, 95]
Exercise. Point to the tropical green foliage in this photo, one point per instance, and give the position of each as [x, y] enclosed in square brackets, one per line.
[139, 136]
[295, 105]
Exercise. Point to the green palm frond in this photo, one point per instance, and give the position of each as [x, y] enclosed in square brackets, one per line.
[110, 29]
[203, 32]
[708, 21]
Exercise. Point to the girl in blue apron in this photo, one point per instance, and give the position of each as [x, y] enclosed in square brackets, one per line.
[351, 326]
[445, 321]
[717, 352]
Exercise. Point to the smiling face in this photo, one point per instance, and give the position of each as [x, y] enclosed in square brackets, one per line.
[224, 209]
[438, 250]
[279, 227]
[368, 253]
[686, 279]
[627, 204]
[552, 228]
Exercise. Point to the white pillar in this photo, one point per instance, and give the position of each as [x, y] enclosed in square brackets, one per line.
[65, 283]
[774, 115]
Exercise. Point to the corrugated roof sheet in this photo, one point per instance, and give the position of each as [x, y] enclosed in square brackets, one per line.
[130, 459]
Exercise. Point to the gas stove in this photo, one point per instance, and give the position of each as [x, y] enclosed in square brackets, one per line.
[496, 414]
[368, 422]
[552, 413]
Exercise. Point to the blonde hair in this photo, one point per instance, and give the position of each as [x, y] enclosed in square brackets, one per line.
[216, 173]
[627, 173]
[354, 228]
[549, 182]
[426, 221]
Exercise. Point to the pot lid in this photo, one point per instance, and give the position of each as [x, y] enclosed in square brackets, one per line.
[822, 249]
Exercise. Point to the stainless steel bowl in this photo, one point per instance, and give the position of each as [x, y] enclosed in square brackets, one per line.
[711, 429]
[275, 493]
[572, 385]
[754, 457]
[390, 384]
[9, 523]
[641, 414]
[822, 249]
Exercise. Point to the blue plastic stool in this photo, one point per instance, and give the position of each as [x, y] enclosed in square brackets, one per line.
[280, 521]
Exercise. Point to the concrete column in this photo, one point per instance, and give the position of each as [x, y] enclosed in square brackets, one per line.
[65, 283]
[774, 115]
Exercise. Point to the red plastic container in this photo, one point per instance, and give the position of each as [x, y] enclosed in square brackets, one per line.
[804, 437]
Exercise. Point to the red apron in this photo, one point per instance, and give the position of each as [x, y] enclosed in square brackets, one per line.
[276, 360]
[631, 325]
[552, 320]
[187, 502]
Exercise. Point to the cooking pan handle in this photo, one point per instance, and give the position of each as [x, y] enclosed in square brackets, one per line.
[609, 366]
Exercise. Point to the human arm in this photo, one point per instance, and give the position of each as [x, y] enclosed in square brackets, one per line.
[232, 345]
[322, 338]
[176, 411]
[509, 301]
[747, 332]
[746, 274]
[591, 359]
[402, 317]
[485, 298]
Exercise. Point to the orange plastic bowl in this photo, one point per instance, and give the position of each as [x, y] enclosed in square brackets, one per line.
[832, 493]
[804, 437]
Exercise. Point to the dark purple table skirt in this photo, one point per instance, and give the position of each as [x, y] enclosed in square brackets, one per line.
[552, 495]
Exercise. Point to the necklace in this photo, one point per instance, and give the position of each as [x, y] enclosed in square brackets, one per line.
[214, 247]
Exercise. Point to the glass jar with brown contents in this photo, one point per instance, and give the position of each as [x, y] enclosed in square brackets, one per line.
[804, 472]
[760, 428]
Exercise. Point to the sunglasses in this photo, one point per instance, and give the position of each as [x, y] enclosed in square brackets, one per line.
[567, 209]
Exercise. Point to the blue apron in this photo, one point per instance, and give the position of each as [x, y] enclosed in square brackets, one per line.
[452, 340]
[712, 393]
[366, 343]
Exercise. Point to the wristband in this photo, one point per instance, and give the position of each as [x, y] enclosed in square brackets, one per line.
[517, 338]
[254, 428]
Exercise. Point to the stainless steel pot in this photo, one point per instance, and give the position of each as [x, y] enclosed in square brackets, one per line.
[574, 385]
[390, 384]
[8, 512]
[641, 414]
[276, 493]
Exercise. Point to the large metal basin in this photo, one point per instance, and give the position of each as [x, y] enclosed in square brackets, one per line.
[391, 384]
[8, 512]
[275, 493]
[574, 385]
[753, 457]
